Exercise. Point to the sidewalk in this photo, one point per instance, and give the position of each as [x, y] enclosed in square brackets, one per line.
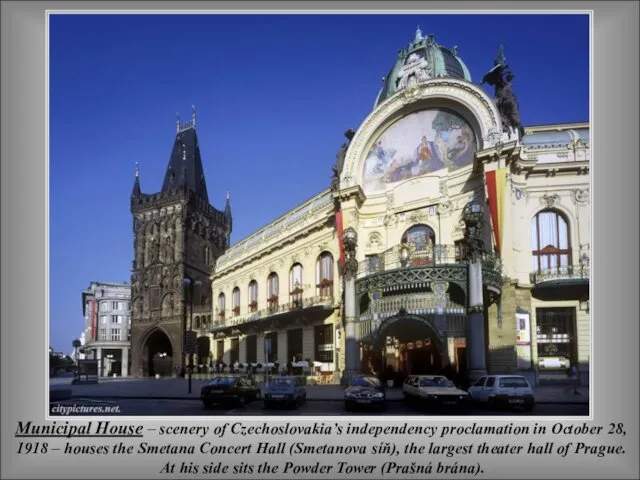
[177, 389]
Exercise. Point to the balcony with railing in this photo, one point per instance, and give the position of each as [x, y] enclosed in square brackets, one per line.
[404, 266]
[562, 274]
[273, 309]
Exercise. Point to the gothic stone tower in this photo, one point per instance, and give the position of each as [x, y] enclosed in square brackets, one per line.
[177, 235]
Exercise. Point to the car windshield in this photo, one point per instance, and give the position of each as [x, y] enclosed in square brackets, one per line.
[513, 382]
[223, 381]
[364, 382]
[282, 381]
[435, 382]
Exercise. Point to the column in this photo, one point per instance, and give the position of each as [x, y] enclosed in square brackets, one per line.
[260, 347]
[283, 349]
[125, 362]
[476, 363]
[99, 358]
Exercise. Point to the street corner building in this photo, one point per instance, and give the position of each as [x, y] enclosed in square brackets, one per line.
[452, 239]
[106, 336]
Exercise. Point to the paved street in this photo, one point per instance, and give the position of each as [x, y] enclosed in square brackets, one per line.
[190, 407]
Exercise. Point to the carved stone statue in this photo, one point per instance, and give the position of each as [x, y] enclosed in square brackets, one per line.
[416, 70]
[500, 77]
[340, 156]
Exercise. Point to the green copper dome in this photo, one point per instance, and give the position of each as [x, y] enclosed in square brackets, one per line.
[422, 60]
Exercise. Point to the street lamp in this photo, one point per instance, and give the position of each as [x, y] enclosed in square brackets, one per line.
[76, 344]
[190, 285]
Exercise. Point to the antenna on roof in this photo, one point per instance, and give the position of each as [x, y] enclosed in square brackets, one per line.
[193, 115]
[177, 122]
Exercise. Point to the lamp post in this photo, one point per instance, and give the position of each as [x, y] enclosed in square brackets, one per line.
[474, 220]
[350, 270]
[76, 344]
[189, 285]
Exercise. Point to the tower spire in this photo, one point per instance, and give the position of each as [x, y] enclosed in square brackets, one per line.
[229, 219]
[177, 122]
[193, 115]
[136, 184]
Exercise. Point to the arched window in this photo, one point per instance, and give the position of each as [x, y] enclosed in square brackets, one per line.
[272, 291]
[221, 306]
[324, 275]
[196, 323]
[295, 285]
[235, 300]
[550, 241]
[253, 296]
[422, 238]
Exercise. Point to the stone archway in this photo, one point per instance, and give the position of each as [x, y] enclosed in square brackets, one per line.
[158, 354]
[406, 344]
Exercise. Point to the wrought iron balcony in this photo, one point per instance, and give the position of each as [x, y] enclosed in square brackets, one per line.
[566, 272]
[271, 311]
[429, 256]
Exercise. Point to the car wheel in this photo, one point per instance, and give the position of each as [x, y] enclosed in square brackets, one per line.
[208, 404]
[491, 404]
[529, 407]
[267, 405]
[258, 396]
[241, 401]
[347, 407]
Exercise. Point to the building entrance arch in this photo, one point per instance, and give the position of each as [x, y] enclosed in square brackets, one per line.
[405, 344]
[158, 354]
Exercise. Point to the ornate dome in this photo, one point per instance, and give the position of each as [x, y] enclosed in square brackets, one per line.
[422, 60]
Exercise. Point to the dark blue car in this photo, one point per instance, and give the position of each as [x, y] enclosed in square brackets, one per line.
[284, 391]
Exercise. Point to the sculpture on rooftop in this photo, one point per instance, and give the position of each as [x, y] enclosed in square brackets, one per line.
[340, 156]
[500, 77]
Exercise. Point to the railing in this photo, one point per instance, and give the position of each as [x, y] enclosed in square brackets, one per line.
[422, 304]
[274, 310]
[560, 273]
[431, 255]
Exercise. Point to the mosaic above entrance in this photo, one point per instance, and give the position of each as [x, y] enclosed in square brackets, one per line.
[420, 143]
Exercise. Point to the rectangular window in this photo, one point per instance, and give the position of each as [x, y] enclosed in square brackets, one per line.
[116, 319]
[373, 263]
[114, 305]
[220, 351]
[323, 343]
[115, 335]
[103, 319]
[129, 335]
[271, 347]
[252, 349]
[556, 335]
[253, 296]
[294, 345]
[234, 351]
[460, 251]
[103, 334]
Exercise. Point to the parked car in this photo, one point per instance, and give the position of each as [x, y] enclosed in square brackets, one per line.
[434, 391]
[238, 390]
[364, 391]
[287, 391]
[503, 391]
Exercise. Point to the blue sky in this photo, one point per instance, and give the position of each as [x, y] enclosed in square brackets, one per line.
[273, 94]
